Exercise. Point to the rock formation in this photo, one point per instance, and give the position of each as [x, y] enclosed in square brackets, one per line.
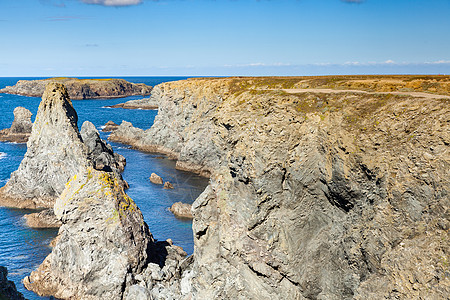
[181, 210]
[81, 88]
[8, 288]
[146, 103]
[168, 185]
[21, 127]
[55, 152]
[43, 219]
[110, 126]
[103, 241]
[156, 179]
[313, 195]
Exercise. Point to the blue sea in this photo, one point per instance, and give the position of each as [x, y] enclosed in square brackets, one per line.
[23, 249]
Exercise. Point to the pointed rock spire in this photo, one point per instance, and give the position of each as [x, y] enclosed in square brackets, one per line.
[55, 153]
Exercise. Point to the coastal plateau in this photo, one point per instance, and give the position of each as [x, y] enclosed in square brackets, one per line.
[314, 194]
[81, 88]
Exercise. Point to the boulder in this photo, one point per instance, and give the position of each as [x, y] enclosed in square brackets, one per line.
[8, 288]
[43, 219]
[156, 179]
[181, 210]
[110, 126]
[21, 127]
[168, 185]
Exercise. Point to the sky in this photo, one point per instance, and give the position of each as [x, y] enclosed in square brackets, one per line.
[223, 37]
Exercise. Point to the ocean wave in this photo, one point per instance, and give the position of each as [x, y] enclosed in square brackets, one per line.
[102, 127]
[106, 107]
[3, 155]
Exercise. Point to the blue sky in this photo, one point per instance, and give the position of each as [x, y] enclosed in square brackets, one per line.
[223, 37]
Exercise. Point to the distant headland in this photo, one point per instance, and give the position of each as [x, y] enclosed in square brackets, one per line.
[81, 89]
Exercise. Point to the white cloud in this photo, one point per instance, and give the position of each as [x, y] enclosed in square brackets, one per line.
[113, 2]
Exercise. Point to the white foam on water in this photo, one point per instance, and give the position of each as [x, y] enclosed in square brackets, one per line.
[3, 155]
[106, 107]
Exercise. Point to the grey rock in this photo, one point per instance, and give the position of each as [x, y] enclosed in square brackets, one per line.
[21, 127]
[156, 179]
[55, 153]
[146, 103]
[110, 126]
[181, 210]
[43, 219]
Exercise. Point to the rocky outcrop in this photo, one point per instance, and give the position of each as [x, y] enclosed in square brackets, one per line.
[110, 126]
[168, 185]
[146, 103]
[81, 88]
[181, 210]
[312, 195]
[21, 127]
[156, 179]
[8, 288]
[55, 152]
[43, 219]
[99, 152]
[103, 241]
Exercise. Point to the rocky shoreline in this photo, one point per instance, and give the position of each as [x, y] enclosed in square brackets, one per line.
[80, 89]
[146, 103]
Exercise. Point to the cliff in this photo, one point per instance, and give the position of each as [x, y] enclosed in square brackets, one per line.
[313, 194]
[8, 289]
[81, 88]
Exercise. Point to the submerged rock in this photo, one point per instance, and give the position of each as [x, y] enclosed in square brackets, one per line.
[156, 179]
[110, 126]
[8, 288]
[21, 127]
[181, 210]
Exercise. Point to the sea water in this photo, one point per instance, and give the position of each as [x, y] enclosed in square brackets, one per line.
[23, 249]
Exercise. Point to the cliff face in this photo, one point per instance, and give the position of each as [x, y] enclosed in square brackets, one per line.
[81, 88]
[312, 195]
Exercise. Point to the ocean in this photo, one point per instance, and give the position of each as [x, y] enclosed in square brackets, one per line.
[23, 249]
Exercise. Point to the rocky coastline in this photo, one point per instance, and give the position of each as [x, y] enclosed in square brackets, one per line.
[81, 89]
[313, 195]
[146, 103]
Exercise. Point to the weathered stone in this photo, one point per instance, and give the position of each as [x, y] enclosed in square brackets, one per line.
[181, 210]
[156, 179]
[21, 127]
[8, 288]
[43, 219]
[146, 103]
[110, 126]
[313, 195]
[55, 153]
[168, 185]
[103, 241]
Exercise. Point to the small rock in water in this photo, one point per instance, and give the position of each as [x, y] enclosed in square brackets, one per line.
[110, 126]
[20, 129]
[168, 185]
[156, 179]
[181, 210]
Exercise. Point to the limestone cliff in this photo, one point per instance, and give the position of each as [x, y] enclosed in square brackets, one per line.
[81, 88]
[313, 195]
[21, 127]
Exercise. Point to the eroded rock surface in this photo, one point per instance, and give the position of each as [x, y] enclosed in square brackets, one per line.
[103, 241]
[21, 127]
[156, 179]
[110, 126]
[43, 219]
[81, 88]
[312, 195]
[181, 210]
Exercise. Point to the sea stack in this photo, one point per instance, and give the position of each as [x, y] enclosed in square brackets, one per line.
[55, 153]
[21, 127]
